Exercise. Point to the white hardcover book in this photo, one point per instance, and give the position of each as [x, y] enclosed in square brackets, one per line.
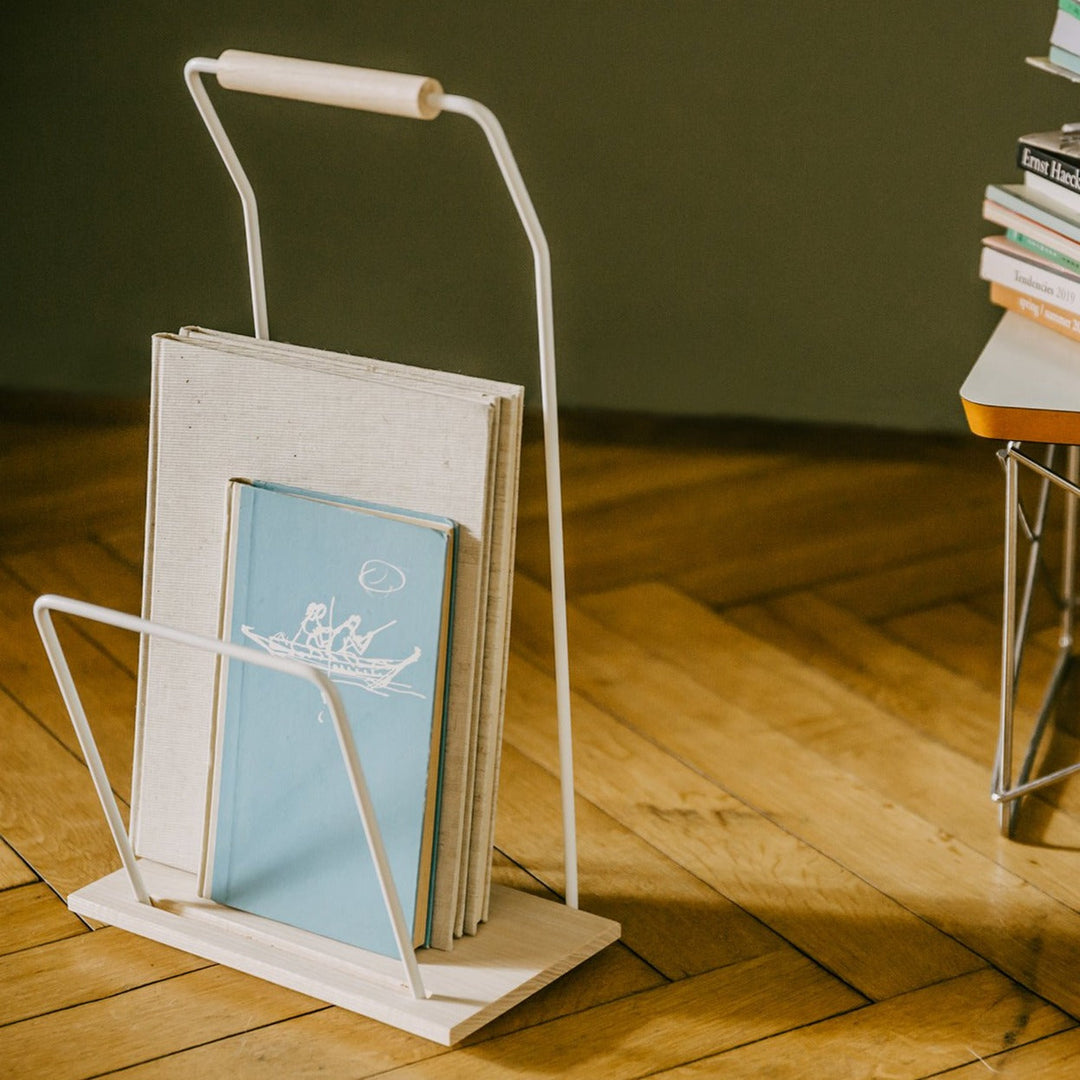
[1058, 194]
[1012, 266]
[1065, 33]
[348, 426]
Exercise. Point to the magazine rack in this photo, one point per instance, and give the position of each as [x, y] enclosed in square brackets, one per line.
[526, 941]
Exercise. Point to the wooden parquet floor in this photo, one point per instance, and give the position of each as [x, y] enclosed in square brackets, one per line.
[784, 657]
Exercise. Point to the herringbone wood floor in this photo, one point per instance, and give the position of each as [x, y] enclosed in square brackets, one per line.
[784, 652]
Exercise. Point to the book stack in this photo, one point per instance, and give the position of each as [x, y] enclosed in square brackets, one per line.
[355, 515]
[1034, 268]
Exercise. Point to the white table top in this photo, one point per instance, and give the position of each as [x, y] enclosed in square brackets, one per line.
[1025, 386]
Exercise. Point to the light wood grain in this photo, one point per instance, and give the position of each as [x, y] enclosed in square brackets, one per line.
[923, 868]
[669, 916]
[86, 968]
[49, 812]
[13, 871]
[883, 693]
[643, 1033]
[811, 900]
[921, 583]
[1055, 1056]
[106, 688]
[143, 1023]
[90, 572]
[939, 1028]
[33, 914]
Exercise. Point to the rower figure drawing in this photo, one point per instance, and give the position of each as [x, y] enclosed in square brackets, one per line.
[342, 650]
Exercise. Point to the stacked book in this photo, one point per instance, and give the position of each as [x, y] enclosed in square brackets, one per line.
[358, 516]
[1034, 268]
[1065, 37]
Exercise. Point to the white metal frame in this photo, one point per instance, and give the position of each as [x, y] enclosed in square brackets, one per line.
[420, 98]
[527, 941]
[43, 609]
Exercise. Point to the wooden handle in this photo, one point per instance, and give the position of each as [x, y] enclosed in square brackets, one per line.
[328, 84]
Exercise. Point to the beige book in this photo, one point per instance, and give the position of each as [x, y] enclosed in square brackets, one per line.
[482, 774]
[346, 425]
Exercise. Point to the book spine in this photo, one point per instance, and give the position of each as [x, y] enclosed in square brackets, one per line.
[1031, 230]
[1042, 163]
[1044, 251]
[1066, 30]
[1048, 315]
[1018, 199]
[1065, 59]
[1030, 280]
[1056, 194]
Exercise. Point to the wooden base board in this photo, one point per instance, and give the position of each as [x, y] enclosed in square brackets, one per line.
[527, 943]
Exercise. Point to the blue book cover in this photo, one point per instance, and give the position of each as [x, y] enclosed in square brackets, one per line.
[364, 593]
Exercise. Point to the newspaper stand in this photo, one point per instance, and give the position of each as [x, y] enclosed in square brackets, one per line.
[526, 942]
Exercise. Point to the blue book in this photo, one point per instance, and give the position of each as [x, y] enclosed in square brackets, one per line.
[363, 592]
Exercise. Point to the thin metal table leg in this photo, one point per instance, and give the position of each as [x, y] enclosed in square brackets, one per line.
[1002, 779]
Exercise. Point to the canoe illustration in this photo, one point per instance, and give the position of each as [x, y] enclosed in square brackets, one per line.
[341, 652]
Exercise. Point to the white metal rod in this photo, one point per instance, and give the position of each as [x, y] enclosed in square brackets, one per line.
[287, 666]
[1003, 764]
[1068, 554]
[43, 608]
[549, 403]
[193, 70]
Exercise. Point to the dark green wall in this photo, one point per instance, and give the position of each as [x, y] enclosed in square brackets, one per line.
[765, 209]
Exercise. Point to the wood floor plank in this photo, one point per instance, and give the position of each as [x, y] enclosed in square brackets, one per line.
[33, 915]
[917, 584]
[149, 1021]
[13, 871]
[69, 478]
[933, 700]
[868, 706]
[942, 1027]
[106, 689]
[747, 555]
[85, 968]
[49, 812]
[598, 475]
[867, 939]
[326, 1043]
[747, 572]
[656, 1029]
[612, 973]
[935, 731]
[925, 868]
[966, 642]
[960, 639]
[86, 571]
[668, 916]
[1047, 1059]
